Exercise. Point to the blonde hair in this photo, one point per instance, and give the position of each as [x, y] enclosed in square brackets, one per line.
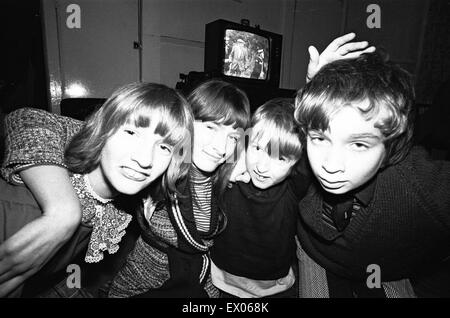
[139, 104]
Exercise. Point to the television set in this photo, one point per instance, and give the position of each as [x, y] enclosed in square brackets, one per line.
[242, 54]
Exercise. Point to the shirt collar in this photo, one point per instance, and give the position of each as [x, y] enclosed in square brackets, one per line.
[365, 194]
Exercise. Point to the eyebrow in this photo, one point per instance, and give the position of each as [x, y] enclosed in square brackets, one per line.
[364, 135]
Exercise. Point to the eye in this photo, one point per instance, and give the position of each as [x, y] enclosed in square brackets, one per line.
[359, 146]
[210, 126]
[234, 138]
[166, 148]
[129, 131]
[282, 159]
[316, 138]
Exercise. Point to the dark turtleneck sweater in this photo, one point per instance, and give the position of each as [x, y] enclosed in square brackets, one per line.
[259, 240]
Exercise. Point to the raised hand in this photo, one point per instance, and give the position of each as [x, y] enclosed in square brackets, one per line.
[338, 49]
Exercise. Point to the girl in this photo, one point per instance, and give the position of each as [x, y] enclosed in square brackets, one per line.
[124, 147]
[170, 258]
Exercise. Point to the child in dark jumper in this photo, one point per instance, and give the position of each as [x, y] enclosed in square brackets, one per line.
[253, 256]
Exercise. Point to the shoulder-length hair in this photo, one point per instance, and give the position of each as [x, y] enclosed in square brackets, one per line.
[223, 103]
[138, 104]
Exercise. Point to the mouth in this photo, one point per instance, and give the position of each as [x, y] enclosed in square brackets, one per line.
[133, 174]
[260, 177]
[332, 185]
[216, 158]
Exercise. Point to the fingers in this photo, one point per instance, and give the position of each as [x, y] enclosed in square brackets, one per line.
[9, 269]
[358, 53]
[313, 55]
[11, 285]
[338, 42]
[314, 60]
[354, 46]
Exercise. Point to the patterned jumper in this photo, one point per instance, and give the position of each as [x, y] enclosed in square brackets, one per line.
[36, 137]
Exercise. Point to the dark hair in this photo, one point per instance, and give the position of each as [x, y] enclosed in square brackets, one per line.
[386, 86]
[223, 103]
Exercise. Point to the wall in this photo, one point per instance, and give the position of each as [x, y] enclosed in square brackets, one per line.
[174, 31]
[93, 60]
[100, 54]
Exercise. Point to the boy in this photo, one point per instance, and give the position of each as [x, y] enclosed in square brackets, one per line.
[253, 256]
[377, 217]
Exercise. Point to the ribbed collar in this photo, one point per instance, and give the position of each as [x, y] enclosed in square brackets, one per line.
[198, 176]
[271, 194]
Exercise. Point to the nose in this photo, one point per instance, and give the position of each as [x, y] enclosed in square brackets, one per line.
[262, 165]
[334, 161]
[220, 144]
[143, 155]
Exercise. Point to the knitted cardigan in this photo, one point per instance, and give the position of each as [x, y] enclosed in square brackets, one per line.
[405, 230]
[170, 258]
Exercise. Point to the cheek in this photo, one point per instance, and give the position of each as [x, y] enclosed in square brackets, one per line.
[282, 173]
[249, 161]
[161, 166]
[109, 155]
[367, 166]
[200, 140]
[231, 146]
[314, 158]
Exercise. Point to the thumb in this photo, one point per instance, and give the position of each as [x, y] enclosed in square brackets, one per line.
[244, 177]
[314, 58]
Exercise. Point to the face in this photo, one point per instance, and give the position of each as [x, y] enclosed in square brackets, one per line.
[132, 158]
[213, 144]
[348, 154]
[266, 170]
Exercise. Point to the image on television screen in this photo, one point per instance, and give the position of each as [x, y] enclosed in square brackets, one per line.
[246, 55]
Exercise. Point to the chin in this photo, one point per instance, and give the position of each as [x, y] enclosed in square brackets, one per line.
[131, 188]
[207, 167]
[342, 190]
[261, 186]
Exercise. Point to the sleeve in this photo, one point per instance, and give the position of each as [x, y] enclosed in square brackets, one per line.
[35, 137]
[433, 178]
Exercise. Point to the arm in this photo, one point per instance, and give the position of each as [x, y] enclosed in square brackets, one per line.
[28, 250]
[338, 49]
[35, 137]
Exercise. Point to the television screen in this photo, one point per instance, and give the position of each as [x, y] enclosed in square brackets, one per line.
[246, 55]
